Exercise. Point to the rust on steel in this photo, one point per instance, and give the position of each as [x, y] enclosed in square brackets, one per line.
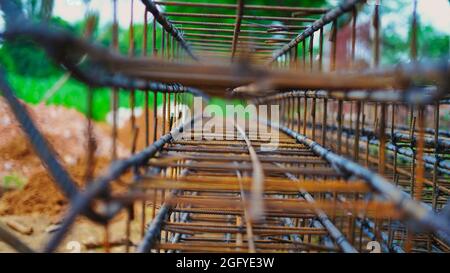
[360, 155]
[167, 25]
[237, 26]
[327, 18]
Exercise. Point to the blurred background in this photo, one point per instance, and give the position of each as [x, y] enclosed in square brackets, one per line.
[38, 80]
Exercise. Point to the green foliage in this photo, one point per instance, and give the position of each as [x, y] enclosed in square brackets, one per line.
[14, 181]
[40, 9]
[73, 94]
[431, 45]
[292, 3]
[26, 58]
[32, 73]
[104, 37]
[229, 11]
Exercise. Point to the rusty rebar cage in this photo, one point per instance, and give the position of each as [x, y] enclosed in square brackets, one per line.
[347, 170]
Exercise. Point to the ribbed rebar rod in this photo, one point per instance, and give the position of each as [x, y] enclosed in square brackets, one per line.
[11, 240]
[330, 16]
[414, 210]
[259, 32]
[269, 28]
[218, 75]
[334, 232]
[250, 7]
[37, 140]
[168, 26]
[237, 27]
[256, 210]
[252, 38]
[82, 200]
[244, 17]
[154, 230]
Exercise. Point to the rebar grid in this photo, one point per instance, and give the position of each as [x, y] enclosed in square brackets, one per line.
[333, 183]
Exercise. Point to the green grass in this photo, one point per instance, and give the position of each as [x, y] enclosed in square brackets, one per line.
[73, 94]
[13, 181]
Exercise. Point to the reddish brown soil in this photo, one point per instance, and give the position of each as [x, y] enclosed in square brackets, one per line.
[65, 130]
[41, 195]
[125, 135]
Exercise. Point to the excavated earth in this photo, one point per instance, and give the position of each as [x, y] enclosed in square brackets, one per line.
[28, 194]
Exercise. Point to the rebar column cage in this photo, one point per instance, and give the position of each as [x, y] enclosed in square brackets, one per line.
[348, 169]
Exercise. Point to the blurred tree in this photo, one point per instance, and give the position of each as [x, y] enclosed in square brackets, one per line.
[31, 7]
[41, 9]
[46, 10]
[24, 57]
[432, 44]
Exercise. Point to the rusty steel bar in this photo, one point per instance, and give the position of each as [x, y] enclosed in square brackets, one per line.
[269, 28]
[251, 38]
[250, 7]
[244, 17]
[281, 32]
[83, 200]
[256, 203]
[237, 27]
[374, 80]
[233, 189]
[167, 25]
[415, 210]
[330, 16]
[10, 239]
[337, 236]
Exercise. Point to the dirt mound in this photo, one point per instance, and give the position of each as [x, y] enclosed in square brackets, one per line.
[125, 132]
[41, 194]
[65, 130]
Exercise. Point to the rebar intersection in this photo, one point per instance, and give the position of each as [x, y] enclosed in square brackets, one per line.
[347, 169]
